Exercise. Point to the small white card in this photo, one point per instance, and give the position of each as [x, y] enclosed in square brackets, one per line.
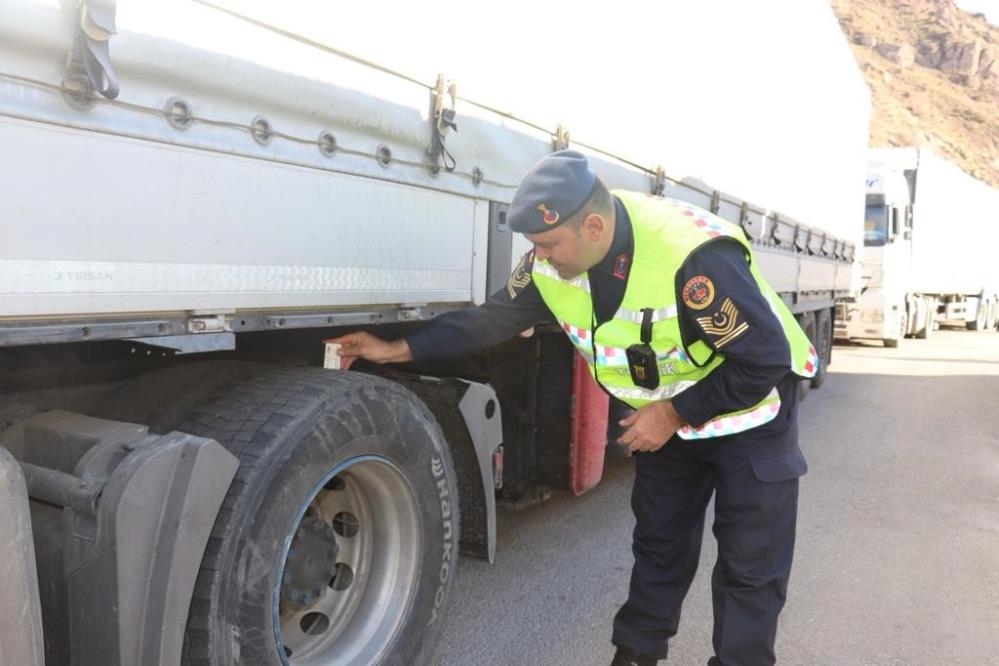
[332, 359]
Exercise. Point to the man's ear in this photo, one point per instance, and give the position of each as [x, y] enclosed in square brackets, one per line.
[594, 226]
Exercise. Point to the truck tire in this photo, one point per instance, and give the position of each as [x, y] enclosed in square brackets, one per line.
[823, 345]
[164, 398]
[807, 322]
[337, 540]
[981, 316]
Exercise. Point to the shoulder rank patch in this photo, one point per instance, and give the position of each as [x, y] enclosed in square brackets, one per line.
[698, 292]
[521, 276]
[723, 326]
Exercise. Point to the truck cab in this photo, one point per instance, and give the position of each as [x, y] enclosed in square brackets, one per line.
[918, 269]
[879, 311]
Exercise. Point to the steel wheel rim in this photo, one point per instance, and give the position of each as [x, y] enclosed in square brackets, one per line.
[357, 623]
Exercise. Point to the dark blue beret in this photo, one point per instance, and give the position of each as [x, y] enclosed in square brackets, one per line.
[552, 192]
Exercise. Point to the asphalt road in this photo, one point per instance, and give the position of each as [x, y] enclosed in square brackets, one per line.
[898, 534]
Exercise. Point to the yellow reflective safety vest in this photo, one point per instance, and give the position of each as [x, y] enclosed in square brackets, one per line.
[666, 232]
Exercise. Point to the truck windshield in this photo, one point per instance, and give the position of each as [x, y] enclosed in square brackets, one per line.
[876, 225]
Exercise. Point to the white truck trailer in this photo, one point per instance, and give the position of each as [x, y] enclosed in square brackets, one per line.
[191, 201]
[929, 235]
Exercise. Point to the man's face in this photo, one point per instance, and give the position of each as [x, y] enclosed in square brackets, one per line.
[567, 249]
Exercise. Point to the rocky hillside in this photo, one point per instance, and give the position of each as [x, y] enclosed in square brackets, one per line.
[933, 71]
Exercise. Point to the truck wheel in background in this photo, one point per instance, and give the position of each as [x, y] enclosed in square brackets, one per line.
[926, 331]
[807, 322]
[981, 316]
[823, 345]
[993, 314]
[337, 540]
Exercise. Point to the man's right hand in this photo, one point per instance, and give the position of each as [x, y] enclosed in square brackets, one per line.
[364, 345]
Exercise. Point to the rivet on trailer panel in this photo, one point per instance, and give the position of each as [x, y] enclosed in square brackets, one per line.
[178, 113]
[384, 155]
[261, 130]
[327, 143]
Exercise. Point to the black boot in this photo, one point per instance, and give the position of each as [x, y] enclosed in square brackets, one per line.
[628, 657]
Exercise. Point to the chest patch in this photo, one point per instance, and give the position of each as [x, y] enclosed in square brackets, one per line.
[698, 293]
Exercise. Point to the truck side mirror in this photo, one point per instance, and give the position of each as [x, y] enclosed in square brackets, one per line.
[894, 221]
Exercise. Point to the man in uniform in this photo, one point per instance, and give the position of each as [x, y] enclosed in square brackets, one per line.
[664, 302]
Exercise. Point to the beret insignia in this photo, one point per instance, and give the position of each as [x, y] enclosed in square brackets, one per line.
[549, 216]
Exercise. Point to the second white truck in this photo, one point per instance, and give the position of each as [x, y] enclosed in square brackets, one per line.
[929, 238]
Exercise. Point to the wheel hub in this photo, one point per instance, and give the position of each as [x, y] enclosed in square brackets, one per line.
[311, 562]
[368, 585]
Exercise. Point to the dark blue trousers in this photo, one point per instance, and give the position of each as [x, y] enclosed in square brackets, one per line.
[754, 477]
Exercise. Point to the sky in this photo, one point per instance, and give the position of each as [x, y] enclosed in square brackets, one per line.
[988, 7]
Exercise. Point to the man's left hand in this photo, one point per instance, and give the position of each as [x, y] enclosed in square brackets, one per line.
[650, 426]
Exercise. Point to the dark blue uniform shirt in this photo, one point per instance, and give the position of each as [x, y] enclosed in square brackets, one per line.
[719, 301]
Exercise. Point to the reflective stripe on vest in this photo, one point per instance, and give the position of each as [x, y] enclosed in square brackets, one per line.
[616, 356]
[664, 392]
[812, 364]
[546, 269]
[636, 316]
[738, 422]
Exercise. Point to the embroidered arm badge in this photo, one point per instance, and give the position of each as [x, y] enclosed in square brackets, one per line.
[521, 276]
[723, 326]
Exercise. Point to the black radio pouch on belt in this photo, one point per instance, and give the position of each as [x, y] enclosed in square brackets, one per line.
[642, 358]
